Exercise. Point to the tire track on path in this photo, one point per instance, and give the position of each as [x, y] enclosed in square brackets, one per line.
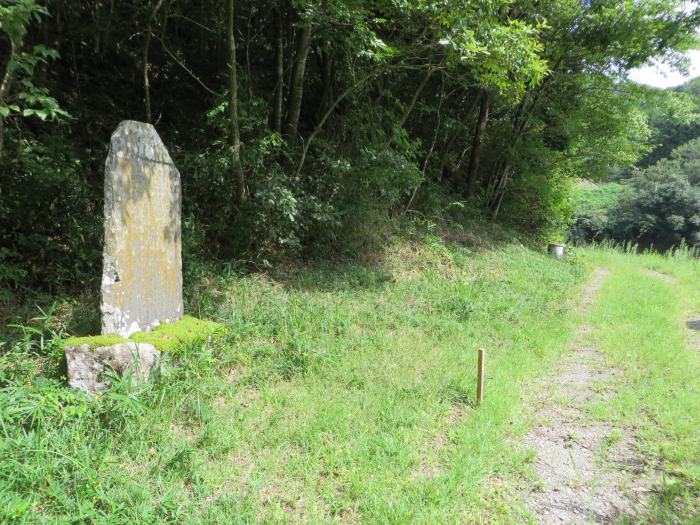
[588, 471]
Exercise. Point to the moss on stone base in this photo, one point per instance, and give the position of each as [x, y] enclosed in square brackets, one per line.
[165, 337]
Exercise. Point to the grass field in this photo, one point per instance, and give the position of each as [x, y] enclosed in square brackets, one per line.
[344, 393]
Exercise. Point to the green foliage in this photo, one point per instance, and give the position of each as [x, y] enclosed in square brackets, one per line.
[663, 208]
[592, 204]
[360, 190]
[16, 15]
[674, 117]
[658, 206]
[500, 52]
[30, 99]
[388, 124]
[540, 203]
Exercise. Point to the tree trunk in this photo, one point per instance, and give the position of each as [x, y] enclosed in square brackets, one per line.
[503, 172]
[414, 99]
[249, 76]
[481, 122]
[146, 65]
[279, 75]
[494, 181]
[238, 176]
[327, 95]
[445, 157]
[331, 108]
[8, 78]
[296, 88]
[501, 191]
[453, 138]
[411, 104]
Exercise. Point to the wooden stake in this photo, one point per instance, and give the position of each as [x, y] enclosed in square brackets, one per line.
[480, 378]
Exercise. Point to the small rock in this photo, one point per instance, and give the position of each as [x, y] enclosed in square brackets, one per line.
[87, 368]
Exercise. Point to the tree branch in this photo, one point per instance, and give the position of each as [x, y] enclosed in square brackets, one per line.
[187, 70]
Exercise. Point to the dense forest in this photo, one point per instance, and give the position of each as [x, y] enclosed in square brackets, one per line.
[303, 127]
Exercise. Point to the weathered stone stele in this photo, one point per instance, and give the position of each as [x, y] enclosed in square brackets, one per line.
[142, 263]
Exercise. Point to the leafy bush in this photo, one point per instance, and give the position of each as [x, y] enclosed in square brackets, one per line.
[355, 194]
[590, 226]
[343, 192]
[539, 203]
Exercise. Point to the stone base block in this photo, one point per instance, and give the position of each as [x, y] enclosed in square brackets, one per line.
[88, 367]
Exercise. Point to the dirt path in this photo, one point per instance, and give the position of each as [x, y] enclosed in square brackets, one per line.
[587, 472]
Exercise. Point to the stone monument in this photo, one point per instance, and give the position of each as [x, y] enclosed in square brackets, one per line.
[142, 264]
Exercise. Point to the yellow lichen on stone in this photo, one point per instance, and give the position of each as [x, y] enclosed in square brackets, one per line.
[142, 263]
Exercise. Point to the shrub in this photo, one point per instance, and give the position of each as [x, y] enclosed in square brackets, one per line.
[539, 203]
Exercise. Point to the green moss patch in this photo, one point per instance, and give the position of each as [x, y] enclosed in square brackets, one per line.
[165, 337]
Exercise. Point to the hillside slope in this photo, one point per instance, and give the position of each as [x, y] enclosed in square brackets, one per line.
[344, 393]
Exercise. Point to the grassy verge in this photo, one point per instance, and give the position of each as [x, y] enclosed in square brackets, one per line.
[342, 394]
[641, 317]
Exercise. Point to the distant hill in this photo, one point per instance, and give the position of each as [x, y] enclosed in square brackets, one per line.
[692, 87]
[668, 132]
